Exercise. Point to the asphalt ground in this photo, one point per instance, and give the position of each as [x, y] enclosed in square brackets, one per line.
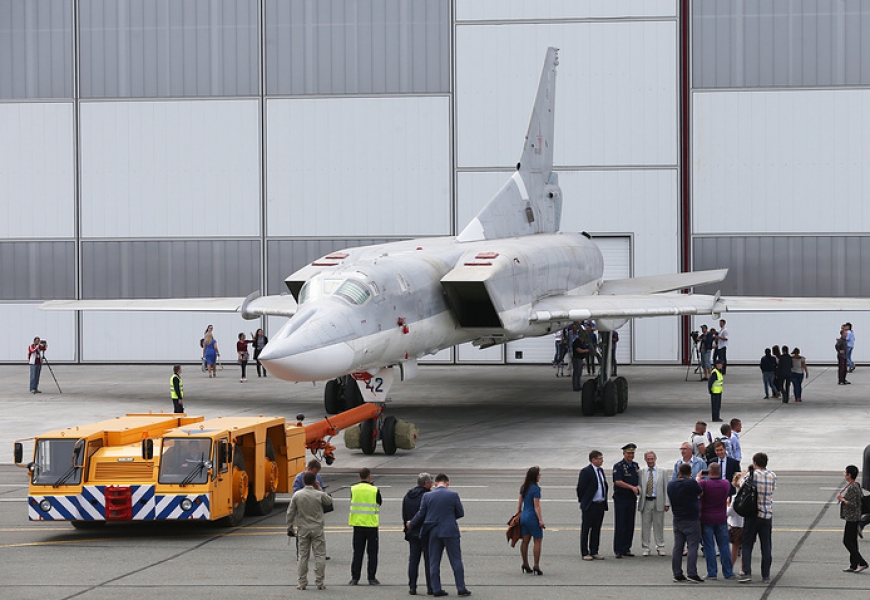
[484, 426]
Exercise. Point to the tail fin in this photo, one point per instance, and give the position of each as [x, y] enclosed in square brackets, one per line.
[531, 201]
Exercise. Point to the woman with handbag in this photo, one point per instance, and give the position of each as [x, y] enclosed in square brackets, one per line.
[531, 520]
[242, 351]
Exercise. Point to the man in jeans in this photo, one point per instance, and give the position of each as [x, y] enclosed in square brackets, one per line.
[759, 525]
[714, 520]
[684, 493]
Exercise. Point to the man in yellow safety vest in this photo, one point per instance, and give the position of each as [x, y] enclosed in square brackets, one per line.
[715, 383]
[176, 389]
[365, 505]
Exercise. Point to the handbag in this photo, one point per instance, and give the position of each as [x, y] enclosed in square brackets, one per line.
[514, 531]
[745, 502]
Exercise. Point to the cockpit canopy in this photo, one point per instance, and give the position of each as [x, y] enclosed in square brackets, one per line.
[351, 290]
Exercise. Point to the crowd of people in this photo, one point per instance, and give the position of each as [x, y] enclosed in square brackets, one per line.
[211, 354]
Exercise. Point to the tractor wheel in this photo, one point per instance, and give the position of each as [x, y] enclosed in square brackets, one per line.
[621, 394]
[270, 472]
[588, 394]
[608, 395]
[332, 401]
[368, 436]
[240, 490]
[388, 436]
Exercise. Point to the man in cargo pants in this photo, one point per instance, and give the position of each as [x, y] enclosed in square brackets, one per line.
[306, 512]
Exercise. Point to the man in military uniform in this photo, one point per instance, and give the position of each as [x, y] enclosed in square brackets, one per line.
[626, 477]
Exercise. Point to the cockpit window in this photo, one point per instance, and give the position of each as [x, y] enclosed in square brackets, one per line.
[317, 287]
[354, 291]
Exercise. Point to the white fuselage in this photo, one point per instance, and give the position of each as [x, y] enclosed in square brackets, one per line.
[365, 308]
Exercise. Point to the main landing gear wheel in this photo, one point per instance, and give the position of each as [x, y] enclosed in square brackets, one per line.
[368, 436]
[388, 436]
[608, 399]
[621, 394]
[332, 400]
[588, 394]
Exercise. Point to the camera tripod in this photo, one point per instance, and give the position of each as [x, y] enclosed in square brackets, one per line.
[694, 359]
[45, 361]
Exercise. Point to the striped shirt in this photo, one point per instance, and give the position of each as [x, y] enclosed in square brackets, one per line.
[765, 482]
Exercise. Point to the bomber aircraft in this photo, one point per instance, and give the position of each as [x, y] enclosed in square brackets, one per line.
[360, 317]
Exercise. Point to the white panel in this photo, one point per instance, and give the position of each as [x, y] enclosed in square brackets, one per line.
[37, 182]
[359, 166]
[781, 161]
[562, 9]
[470, 354]
[23, 322]
[616, 92]
[814, 333]
[617, 265]
[168, 337]
[170, 169]
[442, 357]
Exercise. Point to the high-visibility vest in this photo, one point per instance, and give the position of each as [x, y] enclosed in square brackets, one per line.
[172, 393]
[364, 507]
[716, 386]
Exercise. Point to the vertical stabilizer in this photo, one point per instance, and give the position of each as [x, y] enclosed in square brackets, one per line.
[531, 201]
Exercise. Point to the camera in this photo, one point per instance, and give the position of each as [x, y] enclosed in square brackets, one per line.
[42, 343]
[695, 336]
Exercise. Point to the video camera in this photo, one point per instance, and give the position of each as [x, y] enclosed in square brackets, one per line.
[696, 337]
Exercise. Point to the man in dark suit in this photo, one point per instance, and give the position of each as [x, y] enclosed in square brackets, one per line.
[592, 495]
[438, 514]
[728, 466]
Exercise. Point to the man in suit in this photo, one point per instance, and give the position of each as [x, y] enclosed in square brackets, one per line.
[652, 503]
[438, 514]
[727, 466]
[592, 495]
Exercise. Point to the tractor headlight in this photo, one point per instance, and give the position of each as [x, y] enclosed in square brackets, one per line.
[186, 504]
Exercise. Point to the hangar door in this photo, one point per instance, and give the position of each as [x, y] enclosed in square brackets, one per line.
[617, 265]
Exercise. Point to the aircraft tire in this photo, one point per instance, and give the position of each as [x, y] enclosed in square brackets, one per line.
[267, 504]
[352, 396]
[588, 394]
[240, 478]
[621, 394]
[332, 401]
[368, 436]
[608, 395]
[388, 436]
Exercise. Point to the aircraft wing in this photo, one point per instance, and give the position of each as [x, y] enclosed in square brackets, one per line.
[252, 307]
[756, 304]
[661, 283]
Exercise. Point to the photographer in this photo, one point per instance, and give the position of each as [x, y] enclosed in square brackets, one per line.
[34, 357]
[705, 350]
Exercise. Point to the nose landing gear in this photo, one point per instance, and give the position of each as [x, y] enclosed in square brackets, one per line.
[610, 395]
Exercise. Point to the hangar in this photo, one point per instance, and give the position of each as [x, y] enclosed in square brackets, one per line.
[210, 147]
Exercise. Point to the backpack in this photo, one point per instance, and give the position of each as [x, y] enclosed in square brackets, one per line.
[745, 501]
[711, 451]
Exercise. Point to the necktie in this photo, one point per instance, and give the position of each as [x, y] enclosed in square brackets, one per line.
[649, 484]
[721, 469]
[601, 480]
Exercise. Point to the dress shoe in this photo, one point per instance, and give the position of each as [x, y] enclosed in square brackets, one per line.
[353, 582]
[629, 554]
[440, 593]
[412, 592]
[597, 557]
[374, 582]
[619, 556]
[464, 592]
[587, 557]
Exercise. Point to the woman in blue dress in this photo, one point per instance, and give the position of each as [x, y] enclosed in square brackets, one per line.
[210, 353]
[531, 521]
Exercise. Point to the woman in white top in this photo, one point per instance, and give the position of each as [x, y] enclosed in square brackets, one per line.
[798, 371]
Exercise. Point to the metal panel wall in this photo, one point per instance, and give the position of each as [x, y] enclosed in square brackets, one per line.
[779, 43]
[356, 167]
[23, 322]
[170, 268]
[617, 92]
[170, 168]
[37, 270]
[503, 10]
[813, 265]
[284, 257]
[182, 48]
[781, 161]
[36, 49]
[353, 47]
[37, 183]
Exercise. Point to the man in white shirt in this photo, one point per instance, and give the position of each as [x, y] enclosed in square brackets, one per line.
[722, 346]
[652, 504]
[686, 456]
[735, 451]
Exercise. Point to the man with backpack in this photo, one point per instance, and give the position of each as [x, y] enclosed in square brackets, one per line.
[760, 524]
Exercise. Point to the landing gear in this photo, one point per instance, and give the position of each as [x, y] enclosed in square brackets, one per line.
[368, 436]
[341, 394]
[610, 394]
[388, 436]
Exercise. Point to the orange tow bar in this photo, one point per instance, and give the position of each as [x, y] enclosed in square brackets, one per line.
[316, 433]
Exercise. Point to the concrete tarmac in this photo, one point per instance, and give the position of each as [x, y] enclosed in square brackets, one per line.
[484, 426]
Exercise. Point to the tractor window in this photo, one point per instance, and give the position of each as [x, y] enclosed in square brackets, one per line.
[56, 462]
[185, 460]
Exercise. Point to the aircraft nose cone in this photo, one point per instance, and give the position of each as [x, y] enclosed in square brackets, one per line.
[285, 361]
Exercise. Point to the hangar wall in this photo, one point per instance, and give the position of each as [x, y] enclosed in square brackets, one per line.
[180, 149]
